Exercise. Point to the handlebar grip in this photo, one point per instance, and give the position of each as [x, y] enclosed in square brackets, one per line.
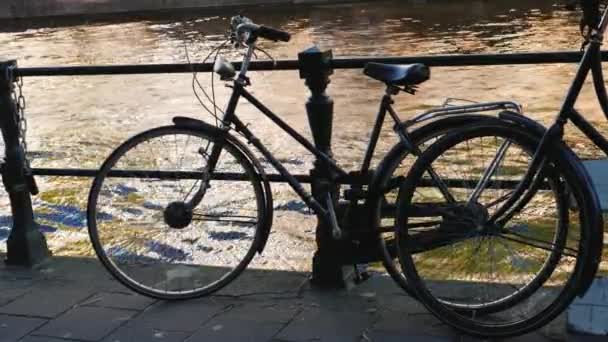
[273, 34]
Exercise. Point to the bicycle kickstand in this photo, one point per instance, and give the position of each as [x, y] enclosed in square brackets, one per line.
[361, 273]
[336, 232]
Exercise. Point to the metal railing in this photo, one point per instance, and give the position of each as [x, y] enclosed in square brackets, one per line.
[26, 245]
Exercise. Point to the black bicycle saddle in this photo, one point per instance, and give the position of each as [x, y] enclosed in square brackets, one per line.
[410, 74]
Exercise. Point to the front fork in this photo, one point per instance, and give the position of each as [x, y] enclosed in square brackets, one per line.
[198, 196]
[217, 147]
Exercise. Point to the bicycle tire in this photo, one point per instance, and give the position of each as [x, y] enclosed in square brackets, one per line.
[156, 254]
[485, 324]
[386, 172]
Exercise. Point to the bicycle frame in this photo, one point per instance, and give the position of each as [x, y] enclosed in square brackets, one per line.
[400, 128]
[230, 117]
[591, 61]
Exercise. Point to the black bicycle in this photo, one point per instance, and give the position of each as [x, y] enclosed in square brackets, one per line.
[524, 211]
[179, 211]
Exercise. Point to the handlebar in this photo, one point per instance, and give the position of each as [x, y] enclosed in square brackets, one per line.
[273, 34]
[247, 31]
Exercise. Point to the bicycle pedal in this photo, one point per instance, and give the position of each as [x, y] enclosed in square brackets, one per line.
[336, 232]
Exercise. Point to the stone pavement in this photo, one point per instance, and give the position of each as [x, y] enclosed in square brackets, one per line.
[73, 299]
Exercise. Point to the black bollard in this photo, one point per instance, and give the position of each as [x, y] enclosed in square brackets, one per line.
[315, 68]
[26, 246]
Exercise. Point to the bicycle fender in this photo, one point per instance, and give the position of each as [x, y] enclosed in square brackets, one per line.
[266, 223]
[590, 201]
[525, 121]
[182, 121]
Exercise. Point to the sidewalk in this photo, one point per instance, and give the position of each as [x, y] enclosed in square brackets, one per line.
[71, 299]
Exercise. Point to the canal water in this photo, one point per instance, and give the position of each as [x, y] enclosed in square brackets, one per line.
[77, 121]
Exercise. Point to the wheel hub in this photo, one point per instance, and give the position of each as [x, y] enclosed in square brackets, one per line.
[478, 214]
[466, 217]
[178, 215]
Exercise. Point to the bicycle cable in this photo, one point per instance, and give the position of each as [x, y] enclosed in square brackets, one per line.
[196, 82]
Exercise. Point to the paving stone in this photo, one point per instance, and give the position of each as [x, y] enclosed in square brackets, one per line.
[85, 323]
[179, 316]
[557, 328]
[13, 328]
[18, 273]
[597, 172]
[236, 330]
[271, 312]
[10, 289]
[585, 338]
[579, 318]
[266, 283]
[401, 303]
[119, 301]
[8, 295]
[387, 336]
[13, 283]
[340, 300]
[599, 320]
[144, 333]
[597, 293]
[411, 324]
[75, 269]
[264, 305]
[48, 302]
[86, 272]
[44, 339]
[325, 325]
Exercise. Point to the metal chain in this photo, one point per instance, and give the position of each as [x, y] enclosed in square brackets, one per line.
[19, 100]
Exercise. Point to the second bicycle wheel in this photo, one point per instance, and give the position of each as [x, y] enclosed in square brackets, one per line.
[146, 229]
[485, 278]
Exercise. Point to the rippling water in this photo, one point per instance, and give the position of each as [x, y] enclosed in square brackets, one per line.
[77, 121]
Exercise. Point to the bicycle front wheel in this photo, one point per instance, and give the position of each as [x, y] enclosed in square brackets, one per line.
[484, 276]
[169, 225]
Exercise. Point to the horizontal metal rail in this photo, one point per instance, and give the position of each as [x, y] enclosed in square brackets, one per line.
[337, 63]
[233, 176]
[159, 174]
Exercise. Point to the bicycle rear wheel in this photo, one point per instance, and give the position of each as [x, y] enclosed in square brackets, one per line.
[488, 279]
[149, 235]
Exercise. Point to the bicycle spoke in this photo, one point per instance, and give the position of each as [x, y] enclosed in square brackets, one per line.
[498, 200]
[489, 172]
[425, 241]
[535, 243]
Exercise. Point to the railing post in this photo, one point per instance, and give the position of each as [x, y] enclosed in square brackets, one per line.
[315, 69]
[26, 246]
